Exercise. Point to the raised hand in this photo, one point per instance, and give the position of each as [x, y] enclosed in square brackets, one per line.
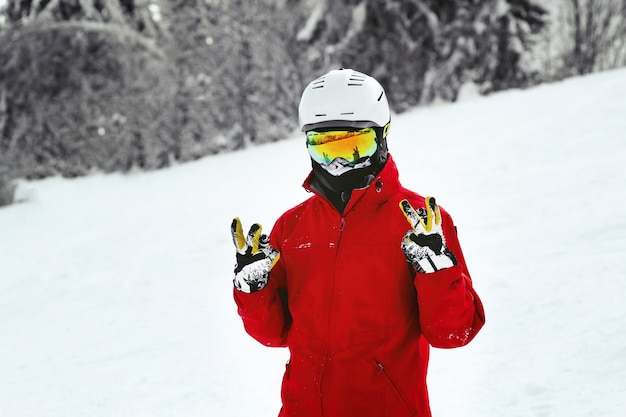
[255, 257]
[424, 245]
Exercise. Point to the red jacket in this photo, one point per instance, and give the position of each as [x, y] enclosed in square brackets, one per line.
[357, 319]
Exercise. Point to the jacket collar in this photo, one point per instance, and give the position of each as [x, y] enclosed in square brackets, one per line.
[385, 184]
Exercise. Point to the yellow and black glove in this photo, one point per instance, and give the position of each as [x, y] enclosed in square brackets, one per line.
[255, 257]
[424, 245]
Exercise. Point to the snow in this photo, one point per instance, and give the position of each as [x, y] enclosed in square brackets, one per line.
[115, 290]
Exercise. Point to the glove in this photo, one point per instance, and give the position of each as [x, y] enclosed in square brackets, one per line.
[255, 257]
[424, 244]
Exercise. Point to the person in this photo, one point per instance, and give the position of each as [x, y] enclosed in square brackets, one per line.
[359, 280]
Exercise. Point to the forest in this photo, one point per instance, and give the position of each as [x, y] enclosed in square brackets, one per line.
[119, 85]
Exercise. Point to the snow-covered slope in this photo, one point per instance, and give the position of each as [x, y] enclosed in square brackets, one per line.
[115, 291]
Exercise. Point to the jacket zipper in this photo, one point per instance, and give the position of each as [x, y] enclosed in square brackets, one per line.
[381, 369]
[342, 224]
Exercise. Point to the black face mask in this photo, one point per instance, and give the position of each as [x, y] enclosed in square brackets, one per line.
[348, 181]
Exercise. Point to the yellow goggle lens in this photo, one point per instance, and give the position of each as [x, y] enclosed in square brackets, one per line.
[350, 145]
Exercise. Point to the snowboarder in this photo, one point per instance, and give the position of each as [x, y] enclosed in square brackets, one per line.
[359, 280]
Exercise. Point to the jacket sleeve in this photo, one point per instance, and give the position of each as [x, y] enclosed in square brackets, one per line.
[451, 313]
[265, 313]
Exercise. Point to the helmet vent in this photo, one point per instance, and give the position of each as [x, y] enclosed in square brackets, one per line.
[348, 113]
[356, 79]
[319, 83]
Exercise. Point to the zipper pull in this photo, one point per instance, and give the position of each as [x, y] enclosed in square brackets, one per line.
[342, 224]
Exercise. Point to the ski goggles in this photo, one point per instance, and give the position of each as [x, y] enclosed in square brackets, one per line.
[351, 145]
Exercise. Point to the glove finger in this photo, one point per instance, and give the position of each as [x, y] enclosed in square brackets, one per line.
[433, 214]
[273, 255]
[254, 235]
[411, 215]
[237, 233]
[264, 241]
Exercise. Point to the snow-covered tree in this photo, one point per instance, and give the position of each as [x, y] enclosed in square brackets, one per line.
[135, 13]
[238, 82]
[422, 49]
[598, 34]
[83, 87]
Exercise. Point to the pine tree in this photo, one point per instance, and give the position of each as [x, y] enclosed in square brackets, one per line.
[422, 50]
[84, 88]
[238, 84]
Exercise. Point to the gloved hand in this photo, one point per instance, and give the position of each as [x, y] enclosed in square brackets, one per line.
[424, 245]
[255, 257]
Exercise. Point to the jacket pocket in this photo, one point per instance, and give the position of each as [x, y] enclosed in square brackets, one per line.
[395, 387]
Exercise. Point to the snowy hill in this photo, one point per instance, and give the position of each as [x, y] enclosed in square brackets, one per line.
[115, 291]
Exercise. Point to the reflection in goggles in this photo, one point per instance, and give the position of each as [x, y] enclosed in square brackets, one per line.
[350, 145]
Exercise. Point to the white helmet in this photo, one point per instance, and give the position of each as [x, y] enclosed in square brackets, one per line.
[343, 98]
